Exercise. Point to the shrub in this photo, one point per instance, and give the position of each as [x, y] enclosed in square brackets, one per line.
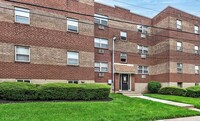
[17, 91]
[154, 86]
[60, 91]
[173, 91]
[193, 91]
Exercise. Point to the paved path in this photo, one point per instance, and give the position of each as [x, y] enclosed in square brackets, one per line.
[167, 102]
[183, 105]
[195, 118]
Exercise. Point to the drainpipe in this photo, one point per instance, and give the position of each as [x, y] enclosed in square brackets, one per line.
[113, 61]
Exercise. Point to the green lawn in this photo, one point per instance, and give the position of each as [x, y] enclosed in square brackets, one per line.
[120, 109]
[188, 100]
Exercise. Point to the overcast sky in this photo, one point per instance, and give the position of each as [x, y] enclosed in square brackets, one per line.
[143, 7]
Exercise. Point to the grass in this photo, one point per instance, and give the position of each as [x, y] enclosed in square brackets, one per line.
[188, 100]
[121, 108]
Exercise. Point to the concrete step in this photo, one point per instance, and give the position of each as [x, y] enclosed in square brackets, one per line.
[130, 93]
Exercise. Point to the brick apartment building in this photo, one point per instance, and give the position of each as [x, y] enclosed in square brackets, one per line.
[70, 41]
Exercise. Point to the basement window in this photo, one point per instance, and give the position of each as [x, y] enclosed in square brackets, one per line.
[180, 84]
[73, 82]
[22, 54]
[72, 25]
[21, 80]
[22, 15]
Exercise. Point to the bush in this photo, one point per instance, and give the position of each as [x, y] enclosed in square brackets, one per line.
[18, 91]
[154, 86]
[193, 91]
[59, 91]
[54, 91]
[173, 91]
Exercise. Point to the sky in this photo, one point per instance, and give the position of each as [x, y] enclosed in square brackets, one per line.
[150, 8]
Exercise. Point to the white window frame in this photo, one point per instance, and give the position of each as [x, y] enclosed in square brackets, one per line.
[179, 24]
[101, 42]
[72, 22]
[196, 50]
[29, 53]
[123, 35]
[123, 56]
[100, 66]
[179, 46]
[24, 80]
[142, 29]
[144, 50]
[196, 29]
[76, 58]
[101, 18]
[196, 69]
[179, 68]
[144, 70]
[22, 12]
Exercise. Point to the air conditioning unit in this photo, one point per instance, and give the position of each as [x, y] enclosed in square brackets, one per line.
[101, 27]
[143, 56]
[143, 35]
[144, 76]
[101, 74]
[110, 82]
[101, 51]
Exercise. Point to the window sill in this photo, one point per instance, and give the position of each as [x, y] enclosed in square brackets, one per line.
[22, 23]
[73, 65]
[72, 32]
[23, 62]
[102, 48]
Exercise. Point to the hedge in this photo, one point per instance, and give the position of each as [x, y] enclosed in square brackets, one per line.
[173, 91]
[154, 86]
[53, 91]
[193, 91]
[18, 91]
[59, 91]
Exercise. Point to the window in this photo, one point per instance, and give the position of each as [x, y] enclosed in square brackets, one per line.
[142, 29]
[72, 58]
[179, 67]
[123, 35]
[100, 19]
[123, 57]
[179, 46]
[73, 82]
[22, 15]
[143, 70]
[101, 43]
[179, 24]
[196, 29]
[196, 69]
[196, 49]
[22, 54]
[143, 49]
[72, 25]
[101, 67]
[26, 81]
[180, 84]
[196, 84]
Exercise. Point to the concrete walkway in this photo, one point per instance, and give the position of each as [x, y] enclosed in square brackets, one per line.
[183, 105]
[167, 102]
[195, 118]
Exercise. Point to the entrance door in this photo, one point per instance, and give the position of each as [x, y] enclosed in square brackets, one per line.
[125, 81]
